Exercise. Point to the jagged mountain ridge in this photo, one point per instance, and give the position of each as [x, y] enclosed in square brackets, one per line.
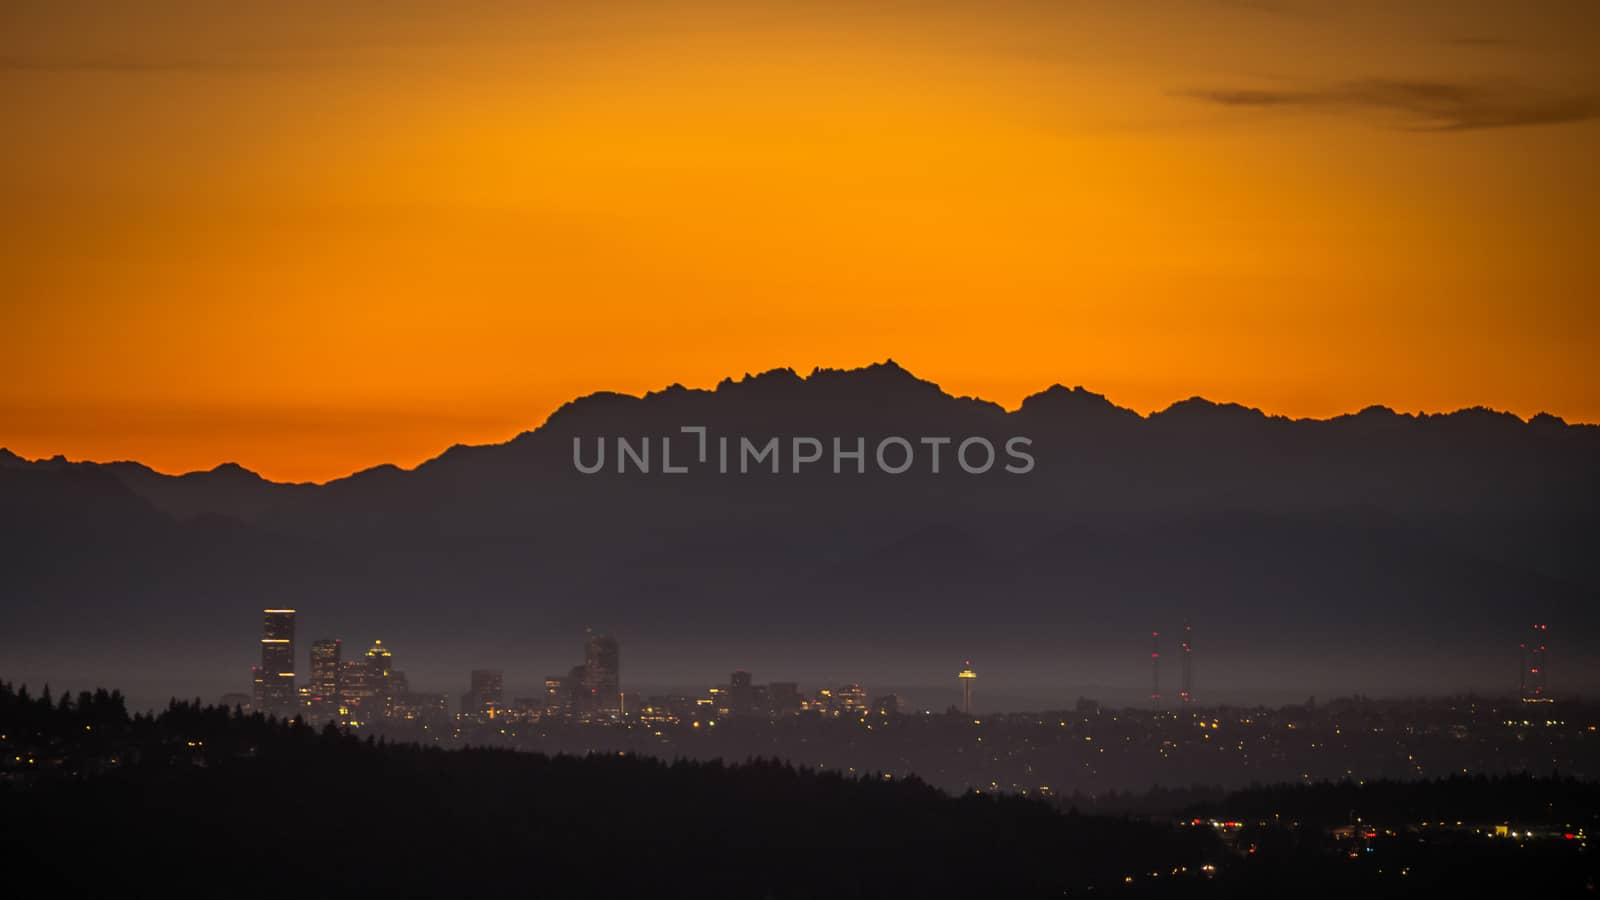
[1465, 522]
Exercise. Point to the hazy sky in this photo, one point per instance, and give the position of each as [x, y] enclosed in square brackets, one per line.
[315, 237]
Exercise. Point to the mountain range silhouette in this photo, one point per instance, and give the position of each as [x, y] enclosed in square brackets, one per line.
[1379, 551]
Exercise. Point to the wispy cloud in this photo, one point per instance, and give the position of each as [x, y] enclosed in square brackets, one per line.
[1420, 105]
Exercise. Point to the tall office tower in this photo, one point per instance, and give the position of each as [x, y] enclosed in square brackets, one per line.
[578, 700]
[355, 683]
[783, 697]
[852, 698]
[1535, 676]
[258, 688]
[824, 702]
[602, 674]
[557, 695]
[485, 696]
[325, 670]
[1186, 693]
[277, 660]
[966, 676]
[741, 694]
[380, 666]
[429, 709]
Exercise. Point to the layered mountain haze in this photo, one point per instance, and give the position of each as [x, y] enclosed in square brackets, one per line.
[1379, 551]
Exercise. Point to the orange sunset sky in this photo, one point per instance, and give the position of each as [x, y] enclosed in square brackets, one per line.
[312, 237]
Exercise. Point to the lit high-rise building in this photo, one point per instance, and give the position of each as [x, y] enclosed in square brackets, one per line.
[275, 678]
[380, 667]
[784, 698]
[557, 695]
[852, 698]
[325, 670]
[966, 677]
[485, 696]
[824, 702]
[602, 674]
[258, 687]
[366, 684]
[356, 684]
[428, 709]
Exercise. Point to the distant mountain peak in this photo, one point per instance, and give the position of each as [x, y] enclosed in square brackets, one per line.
[1076, 401]
[1198, 407]
[886, 368]
[771, 376]
[233, 470]
[884, 375]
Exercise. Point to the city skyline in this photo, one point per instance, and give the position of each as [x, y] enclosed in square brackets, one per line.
[582, 692]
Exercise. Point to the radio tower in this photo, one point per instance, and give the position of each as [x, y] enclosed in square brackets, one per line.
[1186, 695]
[1534, 681]
[1155, 670]
[967, 677]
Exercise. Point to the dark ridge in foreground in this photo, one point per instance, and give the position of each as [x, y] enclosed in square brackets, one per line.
[204, 801]
[201, 801]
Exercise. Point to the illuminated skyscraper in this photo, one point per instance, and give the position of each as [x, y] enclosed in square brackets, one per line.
[355, 684]
[380, 666]
[967, 677]
[852, 698]
[275, 678]
[485, 696]
[557, 695]
[602, 674]
[325, 670]
[258, 687]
